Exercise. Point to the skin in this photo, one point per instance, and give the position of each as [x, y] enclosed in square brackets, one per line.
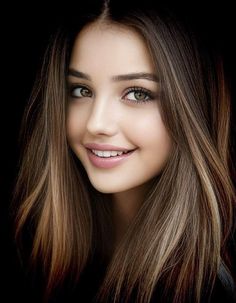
[107, 113]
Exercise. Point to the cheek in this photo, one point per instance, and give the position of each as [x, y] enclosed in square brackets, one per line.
[147, 129]
[150, 135]
[74, 125]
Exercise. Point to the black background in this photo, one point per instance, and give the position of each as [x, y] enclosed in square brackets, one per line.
[25, 31]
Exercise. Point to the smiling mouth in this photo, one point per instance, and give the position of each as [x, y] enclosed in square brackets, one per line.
[107, 159]
[109, 153]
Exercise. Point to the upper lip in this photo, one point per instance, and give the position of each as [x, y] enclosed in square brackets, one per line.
[98, 146]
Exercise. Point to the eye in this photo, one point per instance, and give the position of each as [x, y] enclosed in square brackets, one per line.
[138, 95]
[79, 91]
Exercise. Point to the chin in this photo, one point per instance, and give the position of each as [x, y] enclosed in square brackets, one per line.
[108, 188]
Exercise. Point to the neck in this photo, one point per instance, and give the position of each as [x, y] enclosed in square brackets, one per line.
[125, 208]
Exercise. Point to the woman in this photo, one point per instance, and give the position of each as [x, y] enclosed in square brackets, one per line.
[125, 177]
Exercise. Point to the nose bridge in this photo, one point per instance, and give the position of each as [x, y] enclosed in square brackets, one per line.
[101, 118]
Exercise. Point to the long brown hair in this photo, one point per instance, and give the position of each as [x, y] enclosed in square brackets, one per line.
[178, 240]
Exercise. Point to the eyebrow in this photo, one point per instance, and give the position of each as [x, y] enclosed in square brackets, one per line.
[126, 77]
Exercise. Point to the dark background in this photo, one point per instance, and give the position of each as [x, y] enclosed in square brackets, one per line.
[25, 33]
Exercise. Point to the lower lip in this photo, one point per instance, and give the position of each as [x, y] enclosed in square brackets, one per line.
[107, 162]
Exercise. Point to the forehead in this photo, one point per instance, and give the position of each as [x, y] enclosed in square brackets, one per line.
[112, 47]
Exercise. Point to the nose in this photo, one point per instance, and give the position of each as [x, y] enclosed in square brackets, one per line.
[102, 118]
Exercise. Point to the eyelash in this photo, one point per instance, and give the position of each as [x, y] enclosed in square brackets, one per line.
[149, 95]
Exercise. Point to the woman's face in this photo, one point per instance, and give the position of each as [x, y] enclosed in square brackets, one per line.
[114, 107]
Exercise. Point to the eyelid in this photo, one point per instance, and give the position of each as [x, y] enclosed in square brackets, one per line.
[77, 85]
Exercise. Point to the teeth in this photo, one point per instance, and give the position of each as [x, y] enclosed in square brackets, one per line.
[108, 153]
